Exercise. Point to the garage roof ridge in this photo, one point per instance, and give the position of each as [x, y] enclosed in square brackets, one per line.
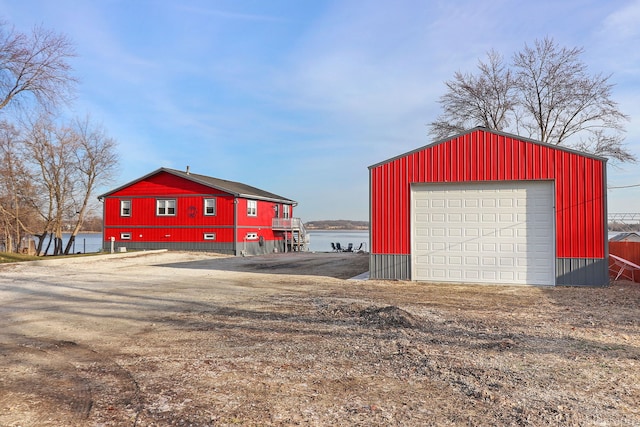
[495, 132]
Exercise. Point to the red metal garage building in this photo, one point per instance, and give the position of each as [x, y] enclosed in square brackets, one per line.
[490, 207]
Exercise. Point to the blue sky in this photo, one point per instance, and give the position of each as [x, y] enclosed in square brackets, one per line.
[300, 97]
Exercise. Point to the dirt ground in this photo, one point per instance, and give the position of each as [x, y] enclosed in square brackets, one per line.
[187, 339]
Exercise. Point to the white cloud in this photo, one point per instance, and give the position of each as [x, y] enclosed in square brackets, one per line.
[226, 14]
[624, 23]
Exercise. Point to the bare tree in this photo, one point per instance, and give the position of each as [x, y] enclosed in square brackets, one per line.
[35, 64]
[546, 95]
[607, 145]
[561, 98]
[51, 159]
[95, 162]
[9, 208]
[16, 212]
[68, 163]
[471, 100]
[52, 169]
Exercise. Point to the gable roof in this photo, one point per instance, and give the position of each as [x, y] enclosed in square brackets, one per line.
[495, 132]
[621, 237]
[236, 189]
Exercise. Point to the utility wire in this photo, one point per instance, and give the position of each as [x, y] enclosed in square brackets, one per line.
[624, 186]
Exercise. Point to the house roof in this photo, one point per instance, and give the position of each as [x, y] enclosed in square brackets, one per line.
[236, 189]
[495, 132]
[624, 236]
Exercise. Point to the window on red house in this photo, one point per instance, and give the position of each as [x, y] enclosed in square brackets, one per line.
[252, 208]
[165, 207]
[209, 206]
[125, 207]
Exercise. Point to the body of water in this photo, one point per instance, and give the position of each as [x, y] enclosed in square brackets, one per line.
[85, 243]
[321, 239]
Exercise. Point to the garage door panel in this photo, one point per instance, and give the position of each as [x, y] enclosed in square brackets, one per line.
[498, 232]
[488, 276]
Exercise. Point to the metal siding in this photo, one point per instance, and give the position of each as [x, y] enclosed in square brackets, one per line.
[582, 272]
[390, 267]
[627, 250]
[161, 234]
[221, 248]
[163, 184]
[143, 213]
[250, 247]
[482, 155]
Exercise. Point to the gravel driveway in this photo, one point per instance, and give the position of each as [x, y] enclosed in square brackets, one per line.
[164, 338]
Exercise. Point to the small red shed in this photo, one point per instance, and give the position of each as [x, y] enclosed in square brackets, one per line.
[490, 207]
[171, 209]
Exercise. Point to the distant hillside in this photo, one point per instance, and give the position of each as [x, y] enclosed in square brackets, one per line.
[337, 224]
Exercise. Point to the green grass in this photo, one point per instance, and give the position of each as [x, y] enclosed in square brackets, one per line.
[15, 257]
[7, 257]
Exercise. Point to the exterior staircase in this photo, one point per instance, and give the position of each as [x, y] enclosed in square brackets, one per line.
[296, 235]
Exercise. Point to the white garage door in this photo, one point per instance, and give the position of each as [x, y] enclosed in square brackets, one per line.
[495, 232]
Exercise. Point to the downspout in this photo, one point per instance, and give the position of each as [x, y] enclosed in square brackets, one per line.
[372, 274]
[605, 203]
[293, 205]
[104, 216]
[235, 226]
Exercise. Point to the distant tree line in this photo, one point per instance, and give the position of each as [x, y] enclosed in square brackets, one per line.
[338, 224]
[49, 166]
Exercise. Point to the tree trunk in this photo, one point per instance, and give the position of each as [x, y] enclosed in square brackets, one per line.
[70, 243]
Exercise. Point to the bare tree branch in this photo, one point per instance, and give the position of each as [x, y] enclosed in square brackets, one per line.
[95, 161]
[547, 95]
[35, 64]
[482, 100]
[560, 97]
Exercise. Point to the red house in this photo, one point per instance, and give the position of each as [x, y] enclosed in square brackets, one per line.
[176, 210]
[490, 207]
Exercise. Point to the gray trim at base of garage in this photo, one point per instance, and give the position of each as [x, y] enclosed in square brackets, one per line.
[569, 271]
[582, 272]
[390, 266]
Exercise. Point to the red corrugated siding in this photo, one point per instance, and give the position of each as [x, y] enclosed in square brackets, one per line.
[627, 250]
[143, 211]
[168, 234]
[484, 156]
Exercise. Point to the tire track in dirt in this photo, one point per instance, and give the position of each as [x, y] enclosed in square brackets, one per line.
[47, 382]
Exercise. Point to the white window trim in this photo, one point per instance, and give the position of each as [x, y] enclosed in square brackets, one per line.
[286, 211]
[125, 236]
[209, 236]
[252, 208]
[122, 207]
[165, 203]
[215, 207]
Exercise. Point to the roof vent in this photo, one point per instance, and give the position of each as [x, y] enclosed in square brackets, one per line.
[187, 169]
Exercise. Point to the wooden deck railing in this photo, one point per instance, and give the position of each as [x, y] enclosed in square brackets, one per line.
[287, 224]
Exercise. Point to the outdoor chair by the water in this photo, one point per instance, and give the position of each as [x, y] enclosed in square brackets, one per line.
[338, 247]
[359, 248]
[349, 248]
[333, 247]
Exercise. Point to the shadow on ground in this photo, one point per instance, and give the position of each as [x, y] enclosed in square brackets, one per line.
[336, 265]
